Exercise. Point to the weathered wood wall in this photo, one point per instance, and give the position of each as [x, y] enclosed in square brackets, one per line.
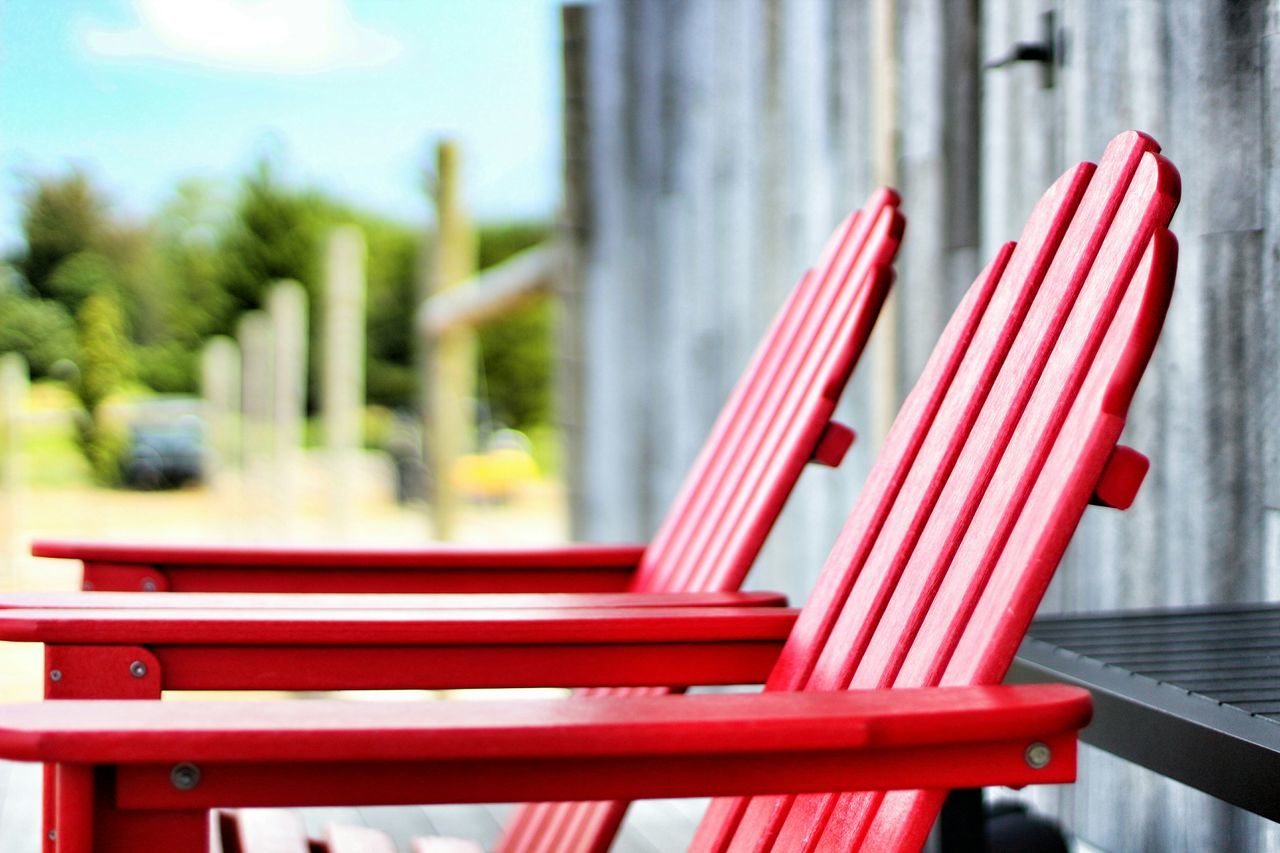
[727, 138]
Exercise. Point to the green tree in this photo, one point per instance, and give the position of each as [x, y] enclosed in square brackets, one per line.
[188, 263]
[40, 329]
[106, 364]
[80, 276]
[273, 235]
[61, 217]
[516, 349]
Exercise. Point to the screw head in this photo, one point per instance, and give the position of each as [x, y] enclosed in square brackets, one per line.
[148, 585]
[138, 669]
[1038, 755]
[53, 835]
[55, 675]
[184, 776]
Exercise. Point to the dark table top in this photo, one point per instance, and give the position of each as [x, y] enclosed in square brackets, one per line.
[1192, 693]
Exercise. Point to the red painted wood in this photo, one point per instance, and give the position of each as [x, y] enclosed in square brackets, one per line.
[776, 420]
[770, 427]
[833, 445]
[336, 601]
[984, 477]
[895, 593]
[443, 569]
[607, 727]
[263, 754]
[383, 627]
[1121, 478]
[440, 666]
[750, 464]
[434, 556]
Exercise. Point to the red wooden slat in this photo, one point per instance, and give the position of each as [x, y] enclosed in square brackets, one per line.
[1053, 507]
[1100, 277]
[873, 553]
[103, 732]
[880, 581]
[444, 556]
[762, 481]
[380, 627]
[771, 396]
[764, 436]
[338, 601]
[899, 609]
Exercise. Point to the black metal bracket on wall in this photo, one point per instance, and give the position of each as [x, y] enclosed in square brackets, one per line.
[1050, 51]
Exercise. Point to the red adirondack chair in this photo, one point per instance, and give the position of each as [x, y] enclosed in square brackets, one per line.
[1010, 431]
[777, 419]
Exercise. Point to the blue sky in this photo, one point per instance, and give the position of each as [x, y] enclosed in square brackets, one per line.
[349, 93]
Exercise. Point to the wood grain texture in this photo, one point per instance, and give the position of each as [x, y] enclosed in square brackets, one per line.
[1204, 79]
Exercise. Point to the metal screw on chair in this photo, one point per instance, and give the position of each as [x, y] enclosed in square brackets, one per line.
[138, 669]
[184, 776]
[1038, 755]
[53, 835]
[148, 585]
[55, 675]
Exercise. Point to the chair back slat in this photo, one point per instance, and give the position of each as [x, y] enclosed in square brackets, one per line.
[768, 430]
[1050, 513]
[760, 443]
[946, 554]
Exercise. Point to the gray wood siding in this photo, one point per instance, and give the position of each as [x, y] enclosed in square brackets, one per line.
[728, 138]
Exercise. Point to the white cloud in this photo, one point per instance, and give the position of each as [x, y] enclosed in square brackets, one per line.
[279, 36]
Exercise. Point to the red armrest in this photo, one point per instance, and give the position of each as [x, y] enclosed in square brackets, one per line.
[609, 747]
[385, 601]
[95, 651]
[443, 568]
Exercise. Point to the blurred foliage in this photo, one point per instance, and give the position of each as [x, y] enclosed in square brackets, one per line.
[61, 217]
[80, 276]
[41, 330]
[516, 349]
[112, 301]
[106, 365]
[274, 234]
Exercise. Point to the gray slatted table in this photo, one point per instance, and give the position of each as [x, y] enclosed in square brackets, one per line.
[1191, 693]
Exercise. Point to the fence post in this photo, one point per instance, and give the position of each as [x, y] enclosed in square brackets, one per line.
[257, 387]
[343, 392]
[13, 395]
[287, 307]
[220, 391]
[451, 358]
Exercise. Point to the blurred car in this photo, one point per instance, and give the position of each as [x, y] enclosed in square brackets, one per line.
[166, 447]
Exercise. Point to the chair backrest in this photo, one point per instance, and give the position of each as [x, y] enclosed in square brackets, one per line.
[773, 423]
[776, 416]
[981, 482]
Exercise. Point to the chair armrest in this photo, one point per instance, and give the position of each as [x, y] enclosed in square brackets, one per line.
[385, 601]
[94, 651]
[255, 568]
[326, 752]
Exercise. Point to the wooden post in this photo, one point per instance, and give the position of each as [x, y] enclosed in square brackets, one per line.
[13, 395]
[884, 153]
[343, 393]
[575, 219]
[451, 360]
[257, 386]
[287, 307]
[220, 389]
